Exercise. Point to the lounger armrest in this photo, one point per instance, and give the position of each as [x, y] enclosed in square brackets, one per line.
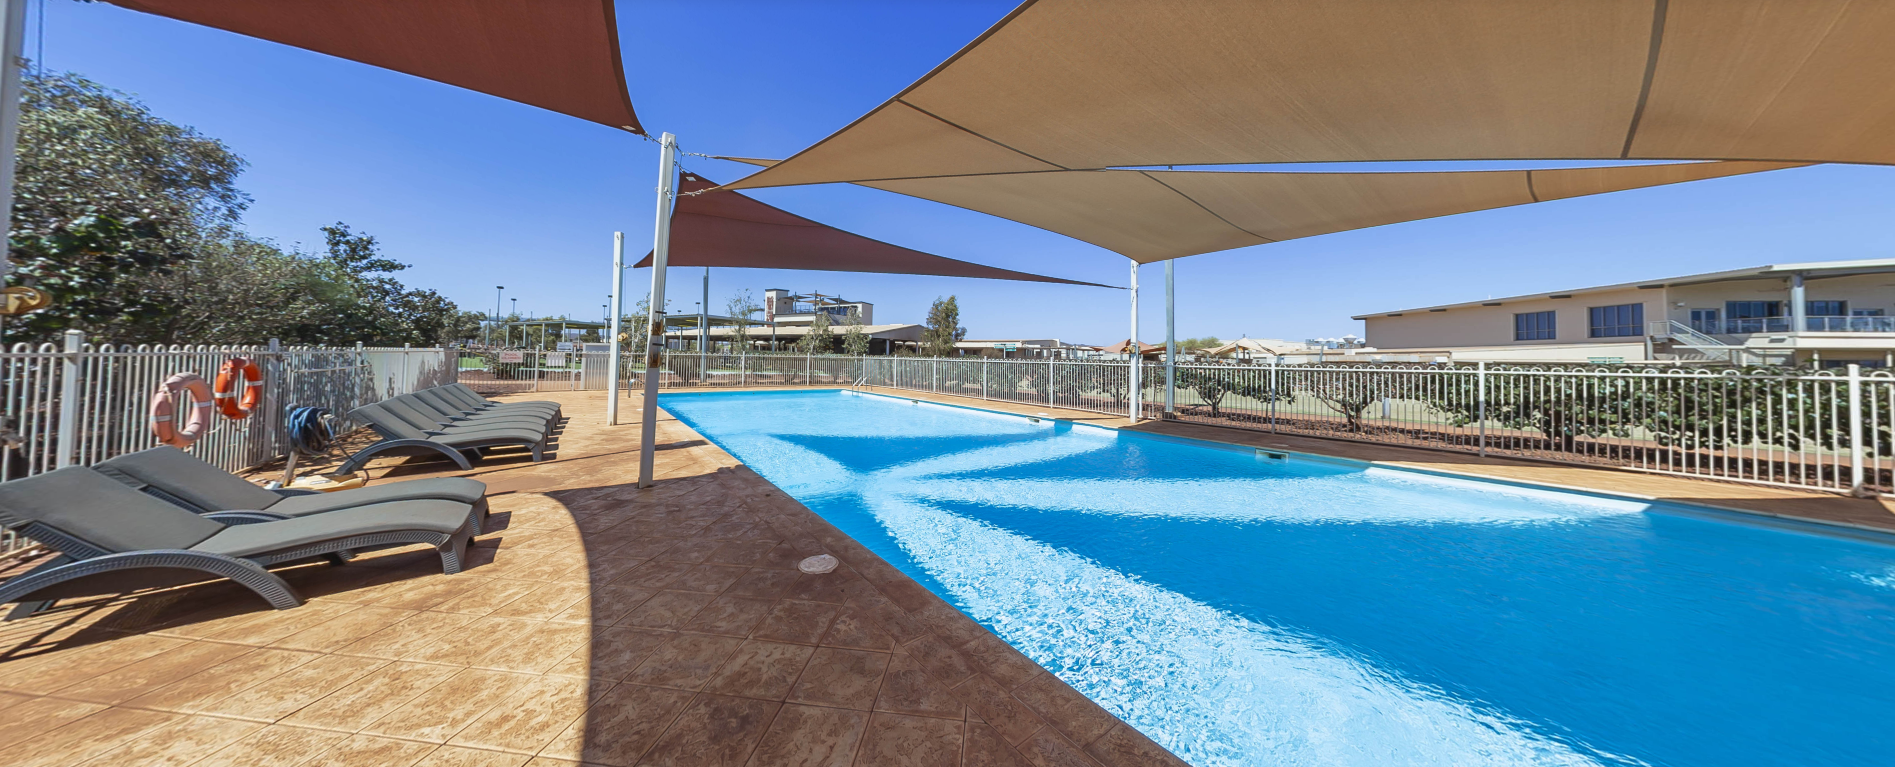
[245, 517]
[244, 572]
[292, 492]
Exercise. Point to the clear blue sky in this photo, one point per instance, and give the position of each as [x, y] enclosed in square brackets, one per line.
[476, 191]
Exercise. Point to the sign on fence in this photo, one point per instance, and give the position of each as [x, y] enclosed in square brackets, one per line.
[513, 356]
[564, 346]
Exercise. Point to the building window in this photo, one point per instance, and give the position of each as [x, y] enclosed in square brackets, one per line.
[1533, 326]
[1616, 321]
[1752, 310]
[1828, 308]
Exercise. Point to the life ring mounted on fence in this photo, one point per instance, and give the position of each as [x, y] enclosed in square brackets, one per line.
[164, 418]
[232, 404]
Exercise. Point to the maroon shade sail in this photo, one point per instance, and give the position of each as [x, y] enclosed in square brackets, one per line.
[725, 228]
[561, 55]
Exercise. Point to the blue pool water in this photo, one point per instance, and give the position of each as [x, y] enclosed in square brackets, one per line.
[1243, 611]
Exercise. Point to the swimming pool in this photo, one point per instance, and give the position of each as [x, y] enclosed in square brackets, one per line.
[1248, 611]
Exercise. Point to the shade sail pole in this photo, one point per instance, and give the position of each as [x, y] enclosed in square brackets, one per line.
[13, 16]
[704, 332]
[1131, 347]
[612, 330]
[655, 334]
[1171, 338]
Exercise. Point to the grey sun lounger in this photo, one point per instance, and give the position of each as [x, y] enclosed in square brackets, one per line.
[173, 475]
[435, 401]
[112, 539]
[473, 398]
[402, 438]
[455, 400]
[419, 412]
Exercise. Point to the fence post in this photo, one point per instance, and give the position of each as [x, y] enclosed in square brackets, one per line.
[536, 369]
[1856, 430]
[807, 380]
[1480, 408]
[983, 377]
[1273, 394]
[743, 368]
[934, 371]
[69, 399]
[1049, 371]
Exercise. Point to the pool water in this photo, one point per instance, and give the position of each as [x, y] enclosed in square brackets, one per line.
[1248, 611]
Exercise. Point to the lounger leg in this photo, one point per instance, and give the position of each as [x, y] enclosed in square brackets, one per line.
[360, 459]
[539, 451]
[248, 574]
[29, 609]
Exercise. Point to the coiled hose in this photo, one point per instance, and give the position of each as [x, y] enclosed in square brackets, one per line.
[309, 430]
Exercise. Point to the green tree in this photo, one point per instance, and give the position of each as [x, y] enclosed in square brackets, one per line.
[742, 307]
[818, 339]
[855, 339]
[943, 328]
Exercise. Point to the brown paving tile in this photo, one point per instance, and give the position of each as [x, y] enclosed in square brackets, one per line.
[841, 678]
[730, 616]
[612, 652]
[685, 662]
[667, 610]
[1006, 665]
[713, 730]
[742, 552]
[693, 551]
[131, 681]
[454, 756]
[857, 629]
[1073, 714]
[799, 622]
[443, 711]
[765, 670]
[621, 726]
[537, 713]
[985, 748]
[178, 743]
[1047, 748]
[655, 574]
[193, 693]
[487, 597]
[463, 645]
[539, 650]
[51, 671]
[894, 740]
[604, 569]
[808, 736]
[431, 591]
[85, 738]
[762, 583]
[345, 629]
[782, 556]
[944, 663]
[1124, 746]
[994, 705]
[709, 579]
[832, 587]
[909, 690]
[371, 750]
[644, 547]
[886, 616]
[949, 624]
[546, 601]
[285, 694]
[371, 697]
[607, 605]
[34, 717]
[278, 624]
[274, 746]
[407, 637]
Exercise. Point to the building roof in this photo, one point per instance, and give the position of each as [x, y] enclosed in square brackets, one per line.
[1774, 271]
[762, 332]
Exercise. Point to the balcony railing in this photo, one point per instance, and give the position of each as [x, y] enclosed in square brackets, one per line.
[1783, 324]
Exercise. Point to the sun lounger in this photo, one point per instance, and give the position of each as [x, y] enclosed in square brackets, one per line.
[113, 539]
[402, 438]
[420, 413]
[176, 476]
[449, 401]
[474, 399]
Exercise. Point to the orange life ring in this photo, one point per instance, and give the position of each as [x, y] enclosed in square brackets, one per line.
[232, 405]
[164, 422]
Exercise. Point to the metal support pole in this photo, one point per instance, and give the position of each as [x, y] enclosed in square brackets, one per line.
[1171, 340]
[69, 398]
[1855, 431]
[1131, 347]
[704, 332]
[1273, 393]
[983, 377]
[13, 16]
[1799, 308]
[807, 357]
[655, 338]
[1481, 408]
[612, 330]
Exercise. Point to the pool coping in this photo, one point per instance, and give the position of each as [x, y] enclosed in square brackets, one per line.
[1696, 509]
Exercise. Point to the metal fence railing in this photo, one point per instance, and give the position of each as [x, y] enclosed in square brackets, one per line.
[1830, 430]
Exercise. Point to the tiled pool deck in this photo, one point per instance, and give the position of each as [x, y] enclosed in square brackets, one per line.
[615, 626]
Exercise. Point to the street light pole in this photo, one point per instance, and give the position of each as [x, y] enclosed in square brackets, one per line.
[655, 336]
[612, 329]
[12, 46]
[498, 290]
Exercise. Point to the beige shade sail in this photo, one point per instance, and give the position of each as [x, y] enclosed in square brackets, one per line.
[561, 55]
[1092, 84]
[1156, 215]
